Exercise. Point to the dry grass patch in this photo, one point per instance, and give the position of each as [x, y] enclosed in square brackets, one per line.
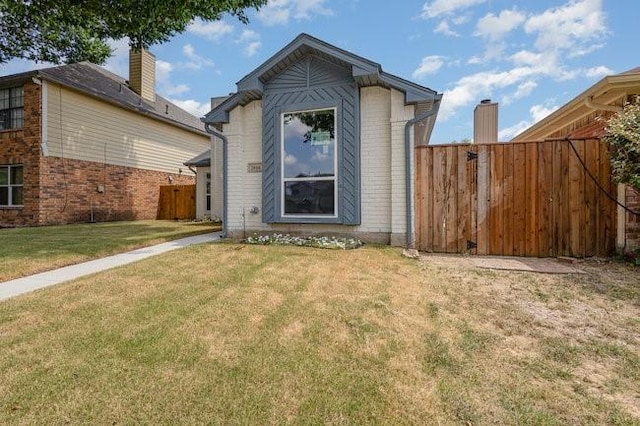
[234, 334]
[27, 251]
[538, 348]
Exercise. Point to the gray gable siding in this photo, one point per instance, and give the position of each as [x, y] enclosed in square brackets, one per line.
[312, 83]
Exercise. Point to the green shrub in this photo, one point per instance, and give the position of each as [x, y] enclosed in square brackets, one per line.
[623, 136]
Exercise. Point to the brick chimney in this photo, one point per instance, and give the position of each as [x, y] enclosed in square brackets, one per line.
[142, 73]
[485, 122]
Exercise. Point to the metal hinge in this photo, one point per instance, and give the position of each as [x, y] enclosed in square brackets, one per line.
[471, 244]
[471, 155]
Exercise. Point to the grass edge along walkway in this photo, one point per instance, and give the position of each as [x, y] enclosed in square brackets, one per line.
[27, 284]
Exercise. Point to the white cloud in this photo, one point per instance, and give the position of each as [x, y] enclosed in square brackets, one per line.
[196, 62]
[276, 12]
[210, 30]
[443, 28]
[318, 156]
[305, 8]
[194, 107]
[495, 27]
[578, 51]
[523, 90]
[446, 7]
[251, 40]
[248, 35]
[279, 12]
[478, 86]
[508, 133]
[290, 159]
[163, 80]
[568, 26]
[538, 112]
[492, 51]
[525, 57]
[460, 19]
[597, 72]
[252, 48]
[429, 65]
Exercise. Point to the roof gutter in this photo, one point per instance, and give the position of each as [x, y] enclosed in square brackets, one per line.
[212, 131]
[408, 170]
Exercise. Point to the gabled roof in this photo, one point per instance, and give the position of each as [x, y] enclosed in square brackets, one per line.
[364, 71]
[606, 92]
[97, 82]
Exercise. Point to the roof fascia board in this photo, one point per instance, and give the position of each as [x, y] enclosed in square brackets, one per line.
[413, 92]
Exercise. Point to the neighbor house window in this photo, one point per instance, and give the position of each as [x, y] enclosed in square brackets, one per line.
[309, 163]
[11, 108]
[10, 186]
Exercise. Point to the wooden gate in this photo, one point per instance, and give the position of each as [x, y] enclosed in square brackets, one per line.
[177, 202]
[517, 199]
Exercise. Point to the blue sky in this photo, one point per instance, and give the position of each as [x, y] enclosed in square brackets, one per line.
[530, 56]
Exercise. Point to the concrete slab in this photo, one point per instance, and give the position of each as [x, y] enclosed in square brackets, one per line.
[544, 265]
[24, 285]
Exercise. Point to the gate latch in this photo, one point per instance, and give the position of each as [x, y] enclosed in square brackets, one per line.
[471, 155]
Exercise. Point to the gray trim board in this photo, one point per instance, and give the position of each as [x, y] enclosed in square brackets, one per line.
[312, 83]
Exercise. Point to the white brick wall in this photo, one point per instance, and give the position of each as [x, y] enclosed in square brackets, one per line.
[400, 114]
[375, 159]
[383, 115]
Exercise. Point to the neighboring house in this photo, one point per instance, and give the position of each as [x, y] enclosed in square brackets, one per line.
[585, 116]
[79, 143]
[320, 141]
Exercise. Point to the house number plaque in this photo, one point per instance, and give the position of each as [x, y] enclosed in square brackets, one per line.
[254, 167]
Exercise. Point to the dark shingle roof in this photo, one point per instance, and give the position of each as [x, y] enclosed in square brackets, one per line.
[96, 81]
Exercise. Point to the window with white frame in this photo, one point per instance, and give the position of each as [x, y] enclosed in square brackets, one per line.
[309, 163]
[11, 186]
[11, 108]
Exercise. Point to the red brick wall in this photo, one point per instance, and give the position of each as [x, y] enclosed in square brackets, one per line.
[69, 191]
[632, 230]
[23, 147]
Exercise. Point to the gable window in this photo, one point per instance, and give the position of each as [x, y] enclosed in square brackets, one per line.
[11, 108]
[309, 163]
[10, 186]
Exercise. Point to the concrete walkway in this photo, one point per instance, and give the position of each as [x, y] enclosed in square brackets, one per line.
[24, 285]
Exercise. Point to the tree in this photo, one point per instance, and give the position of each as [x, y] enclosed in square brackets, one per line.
[67, 31]
[623, 136]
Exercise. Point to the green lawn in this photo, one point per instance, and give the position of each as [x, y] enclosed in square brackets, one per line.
[233, 334]
[25, 251]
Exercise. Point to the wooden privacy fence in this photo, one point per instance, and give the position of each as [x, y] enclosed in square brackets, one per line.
[516, 199]
[177, 202]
